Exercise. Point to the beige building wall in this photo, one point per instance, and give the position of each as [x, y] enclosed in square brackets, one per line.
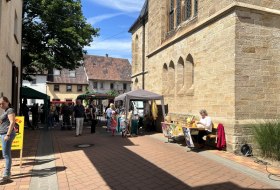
[137, 59]
[10, 45]
[62, 94]
[211, 51]
[272, 4]
[225, 59]
[257, 69]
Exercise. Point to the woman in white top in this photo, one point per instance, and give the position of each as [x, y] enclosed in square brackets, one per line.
[205, 122]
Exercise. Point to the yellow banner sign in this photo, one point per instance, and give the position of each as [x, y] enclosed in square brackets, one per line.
[19, 129]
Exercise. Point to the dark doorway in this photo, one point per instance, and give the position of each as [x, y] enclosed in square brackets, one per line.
[15, 85]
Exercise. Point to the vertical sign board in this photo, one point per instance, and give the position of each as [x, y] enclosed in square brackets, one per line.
[18, 141]
[188, 137]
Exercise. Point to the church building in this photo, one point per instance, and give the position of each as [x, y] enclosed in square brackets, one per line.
[218, 55]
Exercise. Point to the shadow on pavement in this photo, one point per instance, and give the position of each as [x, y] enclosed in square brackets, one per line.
[40, 173]
[120, 167]
[33, 162]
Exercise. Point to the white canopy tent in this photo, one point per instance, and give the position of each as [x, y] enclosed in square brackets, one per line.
[140, 95]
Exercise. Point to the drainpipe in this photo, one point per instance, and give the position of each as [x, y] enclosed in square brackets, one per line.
[143, 54]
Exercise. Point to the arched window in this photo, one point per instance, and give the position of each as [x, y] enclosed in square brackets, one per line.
[136, 52]
[180, 74]
[195, 7]
[178, 12]
[171, 15]
[189, 71]
[171, 77]
[164, 79]
[136, 86]
[188, 9]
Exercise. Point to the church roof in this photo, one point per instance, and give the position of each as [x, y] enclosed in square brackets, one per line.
[107, 68]
[142, 15]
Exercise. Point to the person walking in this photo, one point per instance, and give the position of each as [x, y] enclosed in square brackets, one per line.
[7, 120]
[109, 115]
[93, 118]
[35, 114]
[113, 123]
[42, 113]
[78, 113]
[71, 109]
[25, 113]
[51, 116]
[65, 112]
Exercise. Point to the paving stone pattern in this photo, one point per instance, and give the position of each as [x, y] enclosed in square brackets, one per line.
[144, 162]
[44, 171]
[140, 163]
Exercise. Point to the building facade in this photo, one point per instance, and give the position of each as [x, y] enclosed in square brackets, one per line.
[39, 83]
[107, 74]
[10, 50]
[221, 55]
[65, 85]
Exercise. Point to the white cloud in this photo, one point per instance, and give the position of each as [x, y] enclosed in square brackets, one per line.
[111, 45]
[123, 5]
[96, 19]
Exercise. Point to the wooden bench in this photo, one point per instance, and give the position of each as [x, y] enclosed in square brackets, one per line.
[214, 131]
[213, 135]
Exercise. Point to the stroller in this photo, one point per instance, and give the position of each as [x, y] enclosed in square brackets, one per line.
[124, 128]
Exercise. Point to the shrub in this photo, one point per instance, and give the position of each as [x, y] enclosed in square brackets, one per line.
[267, 137]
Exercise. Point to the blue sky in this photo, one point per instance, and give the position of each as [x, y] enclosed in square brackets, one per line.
[114, 18]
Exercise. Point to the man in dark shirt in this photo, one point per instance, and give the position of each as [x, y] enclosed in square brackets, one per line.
[78, 113]
[93, 118]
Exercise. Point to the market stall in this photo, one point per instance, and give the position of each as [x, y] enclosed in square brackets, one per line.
[138, 120]
[98, 97]
[142, 95]
[29, 93]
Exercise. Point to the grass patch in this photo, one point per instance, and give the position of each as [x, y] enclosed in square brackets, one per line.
[267, 137]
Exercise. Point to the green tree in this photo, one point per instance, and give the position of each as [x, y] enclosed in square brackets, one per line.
[54, 35]
[112, 93]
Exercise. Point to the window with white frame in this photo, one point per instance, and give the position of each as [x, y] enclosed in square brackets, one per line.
[124, 86]
[79, 88]
[72, 74]
[56, 87]
[56, 72]
[33, 81]
[69, 88]
[112, 86]
[95, 85]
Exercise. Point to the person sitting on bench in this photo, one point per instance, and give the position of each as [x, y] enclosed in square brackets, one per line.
[205, 122]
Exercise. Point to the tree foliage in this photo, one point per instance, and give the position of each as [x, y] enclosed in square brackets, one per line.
[113, 93]
[54, 35]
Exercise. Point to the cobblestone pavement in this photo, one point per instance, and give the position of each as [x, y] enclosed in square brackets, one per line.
[143, 162]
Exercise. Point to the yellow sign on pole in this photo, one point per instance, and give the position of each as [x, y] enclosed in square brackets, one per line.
[18, 141]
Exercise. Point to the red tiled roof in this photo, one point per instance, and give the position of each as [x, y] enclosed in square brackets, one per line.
[107, 68]
[64, 77]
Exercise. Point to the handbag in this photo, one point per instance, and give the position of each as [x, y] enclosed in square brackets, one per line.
[16, 128]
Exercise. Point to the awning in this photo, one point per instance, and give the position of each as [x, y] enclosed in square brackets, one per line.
[30, 93]
[140, 95]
